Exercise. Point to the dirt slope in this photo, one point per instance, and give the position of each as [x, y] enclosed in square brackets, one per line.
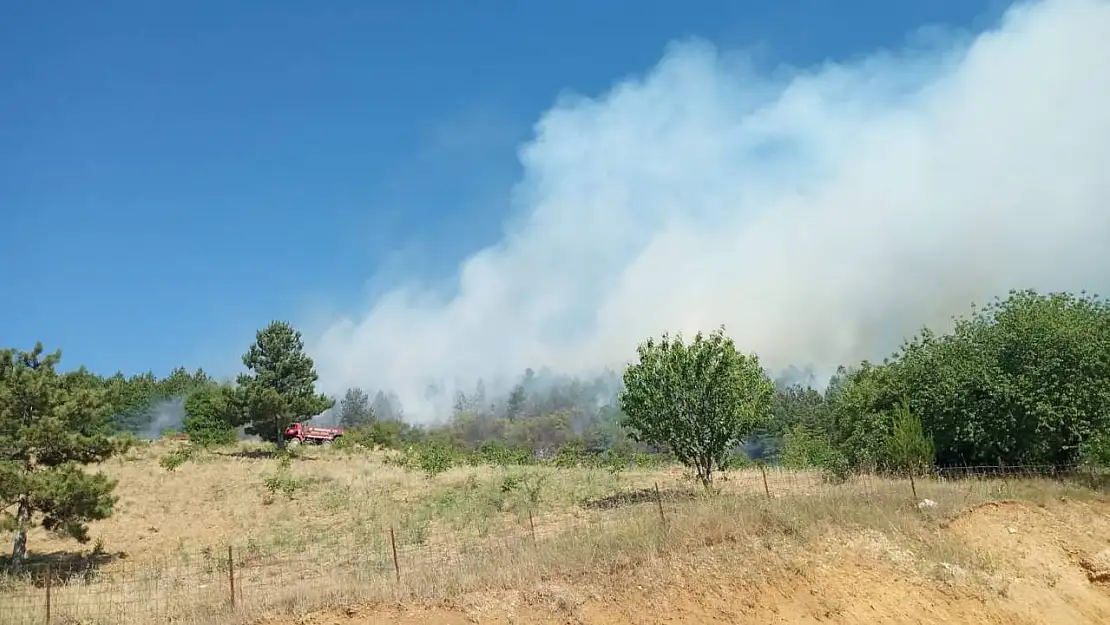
[1040, 565]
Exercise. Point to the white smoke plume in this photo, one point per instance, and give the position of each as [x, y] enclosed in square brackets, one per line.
[820, 214]
[168, 414]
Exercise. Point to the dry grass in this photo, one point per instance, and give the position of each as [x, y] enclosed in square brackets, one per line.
[326, 541]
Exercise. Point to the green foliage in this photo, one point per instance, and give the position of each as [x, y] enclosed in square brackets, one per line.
[531, 485]
[134, 402]
[909, 449]
[50, 425]
[355, 410]
[347, 443]
[1025, 380]
[174, 458]
[859, 414]
[1095, 451]
[700, 399]
[614, 463]
[499, 454]
[573, 454]
[736, 460]
[431, 457]
[281, 388]
[435, 458]
[208, 416]
[802, 449]
[283, 482]
[383, 434]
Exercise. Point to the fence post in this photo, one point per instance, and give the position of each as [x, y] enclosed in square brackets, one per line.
[49, 577]
[766, 488]
[231, 575]
[913, 486]
[393, 544]
[532, 524]
[659, 503]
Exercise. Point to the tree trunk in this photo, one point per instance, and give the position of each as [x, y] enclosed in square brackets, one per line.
[280, 437]
[19, 543]
[705, 473]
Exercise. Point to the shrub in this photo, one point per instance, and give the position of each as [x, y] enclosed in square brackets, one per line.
[570, 455]
[177, 457]
[207, 417]
[499, 454]
[435, 458]
[283, 482]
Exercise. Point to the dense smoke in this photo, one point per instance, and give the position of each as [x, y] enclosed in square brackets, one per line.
[820, 214]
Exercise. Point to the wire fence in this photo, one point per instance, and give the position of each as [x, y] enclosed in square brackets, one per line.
[215, 583]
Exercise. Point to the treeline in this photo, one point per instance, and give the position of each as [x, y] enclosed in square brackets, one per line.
[1024, 380]
[144, 404]
[541, 414]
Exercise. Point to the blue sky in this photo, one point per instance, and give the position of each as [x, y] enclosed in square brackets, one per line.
[175, 175]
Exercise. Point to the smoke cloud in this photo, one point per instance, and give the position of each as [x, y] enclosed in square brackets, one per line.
[821, 214]
[168, 414]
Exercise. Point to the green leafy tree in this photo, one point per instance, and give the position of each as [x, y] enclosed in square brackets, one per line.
[355, 410]
[699, 399]
[280, 389]
[859, 414]
[209, 416]
[1023, 380]
[50, 425]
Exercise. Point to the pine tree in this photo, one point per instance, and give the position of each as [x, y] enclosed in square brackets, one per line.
[354, 409]
[281, 388]
[50, 425]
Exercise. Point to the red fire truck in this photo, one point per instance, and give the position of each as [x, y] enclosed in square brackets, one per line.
[300, 433]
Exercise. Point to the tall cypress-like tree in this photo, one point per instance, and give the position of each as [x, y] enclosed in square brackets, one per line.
[50, 425]
[280, 389]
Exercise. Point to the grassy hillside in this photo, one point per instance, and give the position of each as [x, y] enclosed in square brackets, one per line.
[312, 538]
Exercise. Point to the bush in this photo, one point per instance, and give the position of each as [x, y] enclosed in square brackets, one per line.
[347, 442]
[177, 457]
[501, 455]
[528, 486]
[283, 482]
[432, 458]
[207, 417]
[572, 454]
[435, 458]
[615, 462]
